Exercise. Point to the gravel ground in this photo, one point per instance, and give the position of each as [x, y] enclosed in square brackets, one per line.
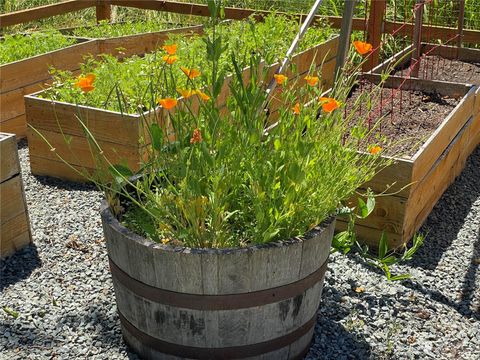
[62, 291]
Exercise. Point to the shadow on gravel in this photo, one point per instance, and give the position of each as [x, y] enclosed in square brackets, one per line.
[448, 216]
[63, 184]
[332, 340]
[102, 324]
[18, 266]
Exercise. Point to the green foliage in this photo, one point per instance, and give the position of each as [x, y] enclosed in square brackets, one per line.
[140, 81]
[18, 47]
[385, 258]
[107, 30]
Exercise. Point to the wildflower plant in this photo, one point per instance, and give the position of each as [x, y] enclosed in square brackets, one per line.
[225, 165]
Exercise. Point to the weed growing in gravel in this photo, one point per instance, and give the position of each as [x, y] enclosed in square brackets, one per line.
[18, 47]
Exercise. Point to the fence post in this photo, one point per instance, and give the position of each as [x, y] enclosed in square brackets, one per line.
[461, 22]
[375, 31]
[345, 33]
[417, 38]
[103, 10]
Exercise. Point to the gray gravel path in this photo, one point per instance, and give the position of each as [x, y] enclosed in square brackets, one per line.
[62, 291]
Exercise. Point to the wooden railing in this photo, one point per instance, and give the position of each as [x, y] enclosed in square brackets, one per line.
[375, 26]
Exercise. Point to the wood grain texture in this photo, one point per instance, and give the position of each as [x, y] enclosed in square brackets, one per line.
[211, 273]
[9, 163]
[41, 12]
[14, 220]
[35, 69]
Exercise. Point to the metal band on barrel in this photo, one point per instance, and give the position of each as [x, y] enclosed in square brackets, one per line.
[217, 302]
[234, 352]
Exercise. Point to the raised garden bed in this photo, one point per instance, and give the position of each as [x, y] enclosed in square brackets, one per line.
[14, 221]
[31, 75]
[445, 63]
[121, 135]
[420, 177]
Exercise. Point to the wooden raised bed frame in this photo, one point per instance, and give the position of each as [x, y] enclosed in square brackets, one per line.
[31, 75]
[14, 222]
[121, 136]
[429, 172]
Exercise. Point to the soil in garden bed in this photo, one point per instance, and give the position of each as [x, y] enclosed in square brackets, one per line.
[438, 68]
[409, 117]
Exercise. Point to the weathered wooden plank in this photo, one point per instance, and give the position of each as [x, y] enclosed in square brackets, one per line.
[105, 125]
[371, 236]
[17, 126]
[388, 215]
[79, 152]
[395, 178]
[41, 12]
[139, 44]
[12, 103]
[14, 234]
[447, 167]
[47, 167]
[9, 164]
[12, 203]
[36, 69]
[429, 152]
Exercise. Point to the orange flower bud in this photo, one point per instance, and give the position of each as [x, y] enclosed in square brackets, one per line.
[311, 80]
[362, 47]
[170, 49]
[191, 73]
[170, 59]
[280, 79]
[196, 137]
[296, 109]
[374, 149]
[329, 104]
[168, 103]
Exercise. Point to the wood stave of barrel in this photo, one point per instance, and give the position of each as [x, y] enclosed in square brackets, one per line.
[258, 302]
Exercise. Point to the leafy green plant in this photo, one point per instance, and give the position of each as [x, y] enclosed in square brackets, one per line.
[136, 79]
[106, 30]
[18, 47]
[346, 241]
[214, 176]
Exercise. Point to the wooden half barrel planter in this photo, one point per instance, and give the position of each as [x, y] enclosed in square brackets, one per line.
[123, 137]
[31, 75]
[257, 302]
[14, 221]
[419, 181]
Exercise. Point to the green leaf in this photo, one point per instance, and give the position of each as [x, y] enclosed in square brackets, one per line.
[277, 144]
[120, 173]
[383, 245]
[157, 136]
[11, 312]
[363, 209]
[400, 277]
[370, 203]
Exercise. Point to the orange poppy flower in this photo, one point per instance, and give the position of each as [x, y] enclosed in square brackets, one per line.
[196, 137]
[204, 96]
[311, 80]
[170, 59]
[170, 49]
[168, 103]
[280, 79]
[362, 47]
[186, 93]
[296, 109]
[374, 150]
[329, 104]
[191, 73]
[86, 82]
